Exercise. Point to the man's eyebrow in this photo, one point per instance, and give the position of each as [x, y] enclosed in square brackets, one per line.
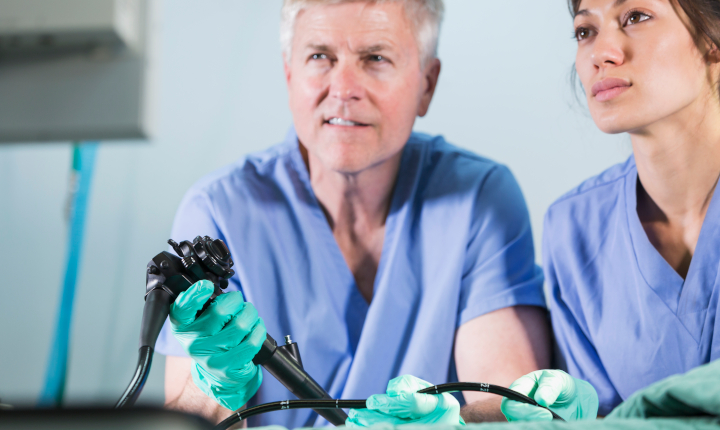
[585, 12]
[374, 48]
[316, 47]
[363, 51]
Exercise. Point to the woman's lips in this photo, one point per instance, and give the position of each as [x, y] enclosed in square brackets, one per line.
[609, 88]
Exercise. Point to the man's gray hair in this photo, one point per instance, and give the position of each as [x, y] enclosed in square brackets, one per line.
[425, 15]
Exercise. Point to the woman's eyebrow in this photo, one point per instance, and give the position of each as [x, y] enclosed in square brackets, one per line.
[585, 12]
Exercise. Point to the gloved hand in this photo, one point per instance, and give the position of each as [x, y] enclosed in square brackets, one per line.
[222, 342]
[403, 405]
[572, 399]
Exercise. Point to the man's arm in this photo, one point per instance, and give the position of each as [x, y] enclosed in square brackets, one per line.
[498, 348]
[183, 395]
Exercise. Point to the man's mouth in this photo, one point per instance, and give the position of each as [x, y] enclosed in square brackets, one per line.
[344, 122]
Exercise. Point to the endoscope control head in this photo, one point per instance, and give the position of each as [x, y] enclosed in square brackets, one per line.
[203, 258]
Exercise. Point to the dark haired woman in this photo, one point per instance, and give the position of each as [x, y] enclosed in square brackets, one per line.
[631, 255]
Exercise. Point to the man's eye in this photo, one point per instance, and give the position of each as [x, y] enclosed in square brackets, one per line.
[582, 33]
[318, 57]
[636, 17]
[376, 58]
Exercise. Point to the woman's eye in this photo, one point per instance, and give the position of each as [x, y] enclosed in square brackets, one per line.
[636, 17]
[582, 33]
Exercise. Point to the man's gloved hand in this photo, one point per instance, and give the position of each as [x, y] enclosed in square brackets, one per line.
[572, 399]
[222, 342]
[403, 405]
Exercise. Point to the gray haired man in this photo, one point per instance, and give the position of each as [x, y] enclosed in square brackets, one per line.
[382, 251]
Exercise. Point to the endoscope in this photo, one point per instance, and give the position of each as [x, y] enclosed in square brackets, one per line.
[169, 275]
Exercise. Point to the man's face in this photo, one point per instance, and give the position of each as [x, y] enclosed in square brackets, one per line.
[356, 84]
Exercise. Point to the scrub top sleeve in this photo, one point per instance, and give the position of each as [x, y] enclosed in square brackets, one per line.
[193, 218]
[500, 269]
[578, 351]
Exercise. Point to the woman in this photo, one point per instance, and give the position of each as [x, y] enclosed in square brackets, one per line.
[631, 255]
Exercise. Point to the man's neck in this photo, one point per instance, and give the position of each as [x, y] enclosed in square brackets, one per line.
[358, 200]
[356, 207]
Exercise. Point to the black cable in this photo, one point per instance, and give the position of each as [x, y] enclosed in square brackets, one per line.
[488, 388]
[240, 415]
[132, 392]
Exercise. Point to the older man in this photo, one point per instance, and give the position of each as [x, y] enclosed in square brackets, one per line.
[381, 251]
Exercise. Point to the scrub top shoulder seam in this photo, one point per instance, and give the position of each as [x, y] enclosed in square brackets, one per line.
[627, 166]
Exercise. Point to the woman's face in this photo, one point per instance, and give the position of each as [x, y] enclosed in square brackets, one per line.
[638, 63]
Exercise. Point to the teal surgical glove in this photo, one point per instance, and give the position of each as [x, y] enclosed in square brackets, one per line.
[403, 405]
[222, 342]
[572, 399]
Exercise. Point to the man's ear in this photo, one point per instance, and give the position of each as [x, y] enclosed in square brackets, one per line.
[286, 68]
[432, 74]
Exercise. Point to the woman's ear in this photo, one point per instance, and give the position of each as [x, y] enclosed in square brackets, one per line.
[712, 56]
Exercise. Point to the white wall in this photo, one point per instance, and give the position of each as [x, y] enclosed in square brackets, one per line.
[503, 93]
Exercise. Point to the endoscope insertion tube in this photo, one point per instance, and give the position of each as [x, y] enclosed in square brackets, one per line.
[330, 404]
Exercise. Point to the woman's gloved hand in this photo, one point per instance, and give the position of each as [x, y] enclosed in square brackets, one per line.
[403, 405]
[222, 342]
[572, 399]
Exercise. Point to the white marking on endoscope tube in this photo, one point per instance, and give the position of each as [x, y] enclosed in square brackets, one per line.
[285, 404]
[436, 390]
[337, 401]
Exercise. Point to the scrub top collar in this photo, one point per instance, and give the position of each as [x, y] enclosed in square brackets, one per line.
[688, 299]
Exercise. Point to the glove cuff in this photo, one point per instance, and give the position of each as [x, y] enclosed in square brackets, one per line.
[227, 395]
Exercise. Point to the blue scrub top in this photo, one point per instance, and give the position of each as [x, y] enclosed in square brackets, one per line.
[457, 245]
[622, 316]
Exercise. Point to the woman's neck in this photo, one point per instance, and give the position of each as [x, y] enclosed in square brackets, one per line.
[678, 162]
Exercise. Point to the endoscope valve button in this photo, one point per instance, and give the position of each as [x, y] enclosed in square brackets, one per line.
[152, 270]
[288, 341]
[164, 264]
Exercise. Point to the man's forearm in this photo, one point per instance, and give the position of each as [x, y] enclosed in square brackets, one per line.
[486, 410]
[194, 401]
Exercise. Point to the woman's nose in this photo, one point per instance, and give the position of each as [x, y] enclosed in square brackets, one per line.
[608, 49]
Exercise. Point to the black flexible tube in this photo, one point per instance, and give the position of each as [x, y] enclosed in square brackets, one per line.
[155, 311]
[488, 388]
[132, 392]
[285, 368]
[240, 415]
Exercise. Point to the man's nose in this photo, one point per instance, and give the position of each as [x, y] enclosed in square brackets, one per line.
[345, 82]
[608, 49]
